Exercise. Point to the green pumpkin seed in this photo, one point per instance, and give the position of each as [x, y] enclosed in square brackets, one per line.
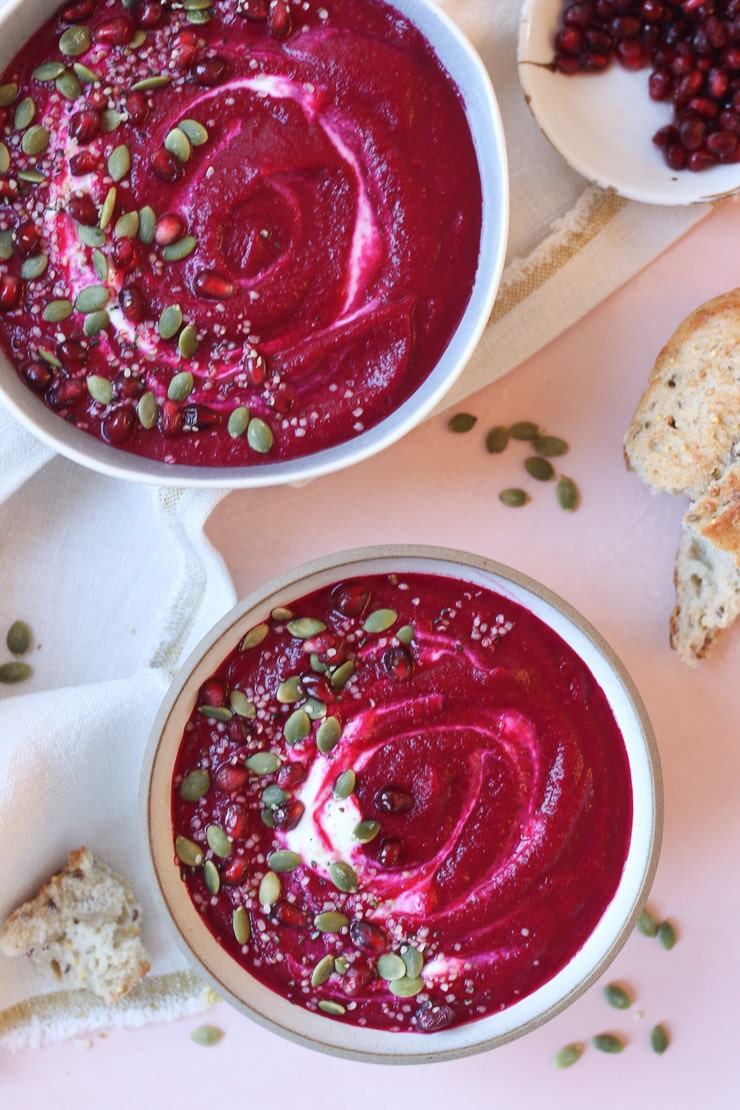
[175, 252]
[330, 1007]
[197, 5]
[177, 142]
[413, 961]
[567, 494]
[267, 818]
[647, 923]
[666, 934]
[69, 86]
[328, 735]
[137, 39]
[34, 267]
[568, 1055]
[241, 704]
[345, 785]
[6, 237]
[262, 763]
[215, 712]
[366, 831]
[211, 877]
[284, 860]
[497, 440]
[147, 410]
[305, 628]
[550, 446]
[110, 119]
[206, 1035]
[35, 140]
[297, 727]
[195, 785]
[343, 876]
[156, 81]
[95, 323]
[254, 637]
[391, 967]
[218, 841]
[280, 613]
[33, 177]
[380, 620]
[100, 264]
[119, 162]
[195, 131]
[47, 356]
[617, 996]
[513, 498]
[341, 965]
[106, 211]
[100, 389]
[188, 852]
[289, 691]
[147, 223]
[405, 634]
[524, 429]
[181, 386]
[170, 321]
[461, 422]
[75, 40]
[659, 1039]
[4, 160]
[90, 236]
[607, 1042]
[274, 795]
[323, 970]
[259, 436]
[331, 921]
[127, 226]
[8, 93]
[92, 298]
[240, 925]
[18, 638]
[85, 74]
[238, 422]
[539, 468]
[269, 889]
[341, 675]
[14, 672]
[406, 988]
[24, 113]
[187, 342]
[316, 709]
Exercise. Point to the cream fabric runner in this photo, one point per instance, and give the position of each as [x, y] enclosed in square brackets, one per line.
[118, 582]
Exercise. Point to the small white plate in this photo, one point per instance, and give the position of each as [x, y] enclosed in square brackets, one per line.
[603, 123]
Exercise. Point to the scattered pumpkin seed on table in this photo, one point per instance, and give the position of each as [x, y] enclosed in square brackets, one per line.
[659, 1040]
[18, 638]
[206, 1035]
[607, 1042]
[568, 1055]
[617, 996]
[462, 422]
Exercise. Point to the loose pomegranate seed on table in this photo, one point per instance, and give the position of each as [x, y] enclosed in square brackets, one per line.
[692, 50]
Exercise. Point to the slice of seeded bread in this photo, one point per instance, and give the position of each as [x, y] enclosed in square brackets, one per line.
[688, 421]
[716, 514]
[82, 929]
[707, 581]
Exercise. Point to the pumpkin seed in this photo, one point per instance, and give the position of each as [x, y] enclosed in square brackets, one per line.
[331, 921]
[33, 177]
[316, 664]
[238, 421]
[188, 852]
[95, 323]
[283, 860]
[14, 672]
[617, 996]
[119, 162]
[147, 410]
[240, 925]
[175, 252]
[659, 1039]
[110, 119]
[316, 709]
[181, 386]
[156, 81]
[267, 818]
[147, 223]
[539, 468]
[195, 785]
[170, 321]
[195, 5]
[497, 440]
[413, 961]
[289, 691]
[254, 637]
[48, 71]
[667, 934]
[344, 785]
[405, 634]
[8, 93]
[343, 876]
[323, 970]
[262, 763]
[206, 1035]
[92, 298]
[137, 39]
[47, 356]
[6, 237]
[34, 266]
[406, 988]
[567, 494]
[647, 923]
[341, 965]
[280, 613]
[380, 620]
[24, 113]
[524, 429]
[568, 1055]
[259, 436]
[69, 86]
[341, 675]
[127, 226]
[550, 446]
[187, 343]
[607, 1042]
[100, 389]
[90, 236]
[211, 877]
[195, 131]
[85, 74]
[274, 795]
[241, 704]
[218, 841]
[513, 498]
[18, 638]
[328, 735]
[215, 712]
[297, 727]
[100, 264]
[330, 1007]
[269, 889]
[106, 211]
[366, 831]
[177, 142]
[461, 422]
[75, 40]
[391, 967]
[305, 628]
[35, 140]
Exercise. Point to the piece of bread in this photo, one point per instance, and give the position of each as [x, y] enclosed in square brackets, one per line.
[82, 929]
[687, 423]
[716, 514]
[707, 583]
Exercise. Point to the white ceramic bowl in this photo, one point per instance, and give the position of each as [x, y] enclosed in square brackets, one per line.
[235, 984]
[19, 19]
[603, 123]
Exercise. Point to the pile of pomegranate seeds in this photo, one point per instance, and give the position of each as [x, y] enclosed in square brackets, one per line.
[693, 50]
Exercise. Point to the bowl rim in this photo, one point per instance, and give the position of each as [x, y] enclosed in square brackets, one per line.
[463, 64]
[352, 1042]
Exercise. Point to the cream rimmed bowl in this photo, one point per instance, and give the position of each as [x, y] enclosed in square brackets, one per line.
[249, 996]
[19, 19]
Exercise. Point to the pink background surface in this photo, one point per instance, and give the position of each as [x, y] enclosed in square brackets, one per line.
[613, 560]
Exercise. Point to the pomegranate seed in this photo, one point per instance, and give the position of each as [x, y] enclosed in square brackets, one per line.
[687, 87]
[81, 207]
[134, 308]
[566, 63]
[398, 662]
[254, 10]
[703, 106]
[84, 125]
[630, 54]
[200, 417]
[183, 49]
[235, 871]
[166, 166]
[137, 107]
[716, 33]
[593, 62]
[390, 851]
[118, 426]
[290, 774]
[38, 375]
[394, 799]
[116, 32]
[237, 730]
[72, 354]
[731, 57]
[729, 121]
[287, 816]
[12, 290]
[604, 9]
[170, 419]
[316, 686]
[235, 821]
[123, 253]
[432, 1019]
[350, 598]
[722, 143]
[571, 40]
[283, 400]
[256, 369]
[149, 14]
[718, 83]
[65, 392]
[82, 163]
[579, 15]
[212, 285]
[285, 913]
[26, 238]
[169, 229]
[660, 84]
[358, 977]
[598, 42]
[129, 386]
[210, 71]
[97, 99]
[699, 160]
[692, 132]
[366, 934]
[212, 692]
[76, 13]
[625, 27]
[652, 10]
[280, 21]
[676, 156]
[231, 778]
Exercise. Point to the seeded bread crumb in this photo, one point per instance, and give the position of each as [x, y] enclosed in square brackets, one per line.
[82, 929]
[716, 514]
[707, 596]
